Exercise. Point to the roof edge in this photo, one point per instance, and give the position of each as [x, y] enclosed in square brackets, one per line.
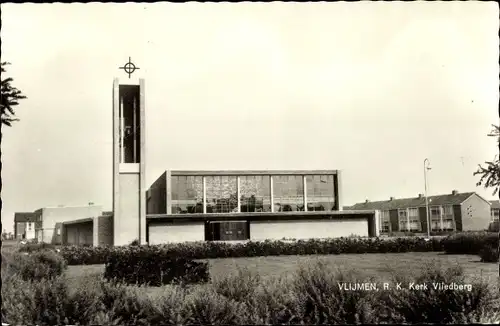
[250, 172]
[475, 193]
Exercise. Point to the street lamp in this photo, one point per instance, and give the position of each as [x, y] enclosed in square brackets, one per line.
[426, 168]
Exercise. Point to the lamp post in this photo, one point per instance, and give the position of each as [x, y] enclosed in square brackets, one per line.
[426, 168]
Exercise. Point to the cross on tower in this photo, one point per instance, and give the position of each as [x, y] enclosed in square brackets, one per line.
[129, 67]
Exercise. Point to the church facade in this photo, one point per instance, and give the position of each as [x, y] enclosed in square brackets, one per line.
[210, 205]
[250, 205]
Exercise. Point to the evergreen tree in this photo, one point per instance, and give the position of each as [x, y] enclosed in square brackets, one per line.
[10, 98]
[490, 174]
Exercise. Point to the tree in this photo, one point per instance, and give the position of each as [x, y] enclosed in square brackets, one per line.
[490, 174]
[10, 98]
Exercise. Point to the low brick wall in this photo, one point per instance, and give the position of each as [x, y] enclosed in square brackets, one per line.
[105, 230]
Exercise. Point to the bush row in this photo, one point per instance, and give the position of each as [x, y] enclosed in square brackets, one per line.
[39, 265]
[489, 254]
[469, 242]
[312, 296]
[154, 267]
[461, 243]
[77, 255]
[32, 247]
[205, 250]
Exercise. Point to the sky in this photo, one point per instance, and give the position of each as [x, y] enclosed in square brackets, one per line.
[368, 88]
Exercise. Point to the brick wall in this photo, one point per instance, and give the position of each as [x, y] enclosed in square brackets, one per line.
[105, 229]
[475, 214]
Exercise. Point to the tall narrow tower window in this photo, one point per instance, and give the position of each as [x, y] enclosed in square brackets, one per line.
[129, 124]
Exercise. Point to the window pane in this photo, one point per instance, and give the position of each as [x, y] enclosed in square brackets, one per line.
[448, 210]
[187, 194]
[288, 193]
[415, 226]
[221, 194]
[255, 193]
[175, 186]
[435, 211]
[409, 220]
[436, 216]
[384, 221]
[320, 192]
[496, 214]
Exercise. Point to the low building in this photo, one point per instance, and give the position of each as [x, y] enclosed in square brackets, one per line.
[448, 213]
[250, 205]
[24, 225]
[61, 224]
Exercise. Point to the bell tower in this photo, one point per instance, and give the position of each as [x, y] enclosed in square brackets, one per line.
[129, 192]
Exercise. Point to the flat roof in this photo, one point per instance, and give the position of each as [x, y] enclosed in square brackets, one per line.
[252, 172]
[20, 217]
[69, 206]
[82, 220]
[259, 216]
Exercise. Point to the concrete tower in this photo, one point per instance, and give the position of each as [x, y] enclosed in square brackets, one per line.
[129, 192]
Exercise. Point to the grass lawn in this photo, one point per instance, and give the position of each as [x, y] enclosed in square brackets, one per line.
[377, 265]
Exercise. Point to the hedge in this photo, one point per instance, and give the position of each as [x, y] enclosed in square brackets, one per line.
[489, 254]
[469, 242]
[33, 247]
[204, 250]
[154, 267]
[460, 243]
[75, 255]
[44, 264]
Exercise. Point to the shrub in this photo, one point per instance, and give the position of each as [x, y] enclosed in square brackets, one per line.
[33, 247]
[148, 265]
[484, 316]
[323, 300]
[237, 287]
[50, 302]
[205, 250]
[35, 266]
[311, 296]
[469, 242]
[433, 305]
[135, 243]
[274, 302]
[168, 306]
[76, 255]
[206, 307]
[489, 254]
[86, 302]
[125, 305]
[41, 302]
